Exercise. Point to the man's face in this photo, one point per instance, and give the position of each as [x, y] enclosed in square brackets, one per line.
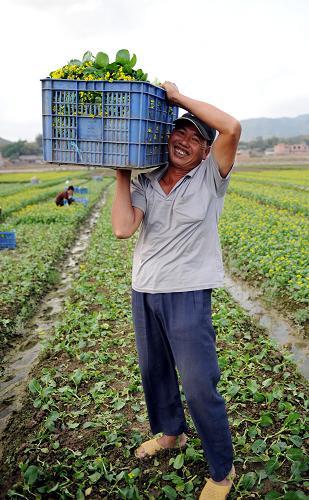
[186, 147]
[70, 193]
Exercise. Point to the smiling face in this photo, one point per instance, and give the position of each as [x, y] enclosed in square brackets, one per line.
[186, 147]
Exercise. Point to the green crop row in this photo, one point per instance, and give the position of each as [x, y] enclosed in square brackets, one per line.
[11, 188]
[25, 177]
[281, 197]
[86, 415]
[44, 232]
[294, 186]
[269, 247]
[289, 176]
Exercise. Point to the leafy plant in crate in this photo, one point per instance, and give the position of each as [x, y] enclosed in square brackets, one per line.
[109, 115]
[100, 68]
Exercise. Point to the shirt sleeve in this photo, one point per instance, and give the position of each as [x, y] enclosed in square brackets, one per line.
[138, 193]
[217, 184]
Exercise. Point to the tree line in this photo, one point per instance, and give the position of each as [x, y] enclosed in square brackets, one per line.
[14, 150]
[261, 144]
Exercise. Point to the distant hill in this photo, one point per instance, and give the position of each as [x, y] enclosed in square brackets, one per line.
[274, 127]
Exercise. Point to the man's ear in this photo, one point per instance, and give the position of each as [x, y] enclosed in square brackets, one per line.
[206, 152]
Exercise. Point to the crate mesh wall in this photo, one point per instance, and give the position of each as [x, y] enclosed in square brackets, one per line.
[126, 124]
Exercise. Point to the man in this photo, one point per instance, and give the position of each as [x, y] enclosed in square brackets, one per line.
[177, 262]
[65, 197]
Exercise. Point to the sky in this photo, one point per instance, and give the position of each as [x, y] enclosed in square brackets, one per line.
[247, 57]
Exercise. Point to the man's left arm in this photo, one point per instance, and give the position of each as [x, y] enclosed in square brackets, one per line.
[225, 145]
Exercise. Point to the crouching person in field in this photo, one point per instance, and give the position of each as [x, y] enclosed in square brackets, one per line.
[177, 262]
[65, 197]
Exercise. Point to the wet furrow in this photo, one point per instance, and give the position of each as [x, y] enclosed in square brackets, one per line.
[19, 362]
[279, 328]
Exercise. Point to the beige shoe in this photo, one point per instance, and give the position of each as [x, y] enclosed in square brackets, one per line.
[214, 491]
[152, 447]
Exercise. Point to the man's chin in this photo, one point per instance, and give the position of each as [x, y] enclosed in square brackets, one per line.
[182, 163]
[179, 160]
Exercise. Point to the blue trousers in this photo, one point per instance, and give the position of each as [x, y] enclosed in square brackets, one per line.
[175, 330]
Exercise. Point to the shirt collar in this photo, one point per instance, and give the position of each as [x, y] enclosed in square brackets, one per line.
[156, 175]
[192, 172]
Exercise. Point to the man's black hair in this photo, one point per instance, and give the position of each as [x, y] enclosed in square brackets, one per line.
[71, 187]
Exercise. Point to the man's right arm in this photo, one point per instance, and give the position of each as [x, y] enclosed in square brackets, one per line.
[125, 218]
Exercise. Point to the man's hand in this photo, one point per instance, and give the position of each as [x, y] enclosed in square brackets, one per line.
[126, 172]
[172, 92]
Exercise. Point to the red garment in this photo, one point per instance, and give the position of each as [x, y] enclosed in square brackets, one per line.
[62, 196]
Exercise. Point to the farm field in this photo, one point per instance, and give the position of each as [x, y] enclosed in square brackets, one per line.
[43, 177]
[284, 196]
[264, 233]
[44, 233]
[85, 414]
[292, 178]
[277, 166]
[16, 193]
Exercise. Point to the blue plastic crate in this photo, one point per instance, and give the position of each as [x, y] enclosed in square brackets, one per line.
[80, 190]
[7, 239]
[126, 125]
[84, 201]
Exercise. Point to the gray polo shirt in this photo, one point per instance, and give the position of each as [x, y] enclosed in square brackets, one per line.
[178, 248]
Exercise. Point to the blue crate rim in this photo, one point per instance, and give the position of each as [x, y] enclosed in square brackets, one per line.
[7, 233]
[114, 167]
[107, 81]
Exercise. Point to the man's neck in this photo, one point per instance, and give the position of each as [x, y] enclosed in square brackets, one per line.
[172, 175]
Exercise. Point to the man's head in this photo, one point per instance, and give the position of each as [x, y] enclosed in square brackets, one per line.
[70, 190]
[189, 142]
[208, 133]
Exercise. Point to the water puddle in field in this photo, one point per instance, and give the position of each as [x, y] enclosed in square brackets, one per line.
[278, 328]
[19, 362]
